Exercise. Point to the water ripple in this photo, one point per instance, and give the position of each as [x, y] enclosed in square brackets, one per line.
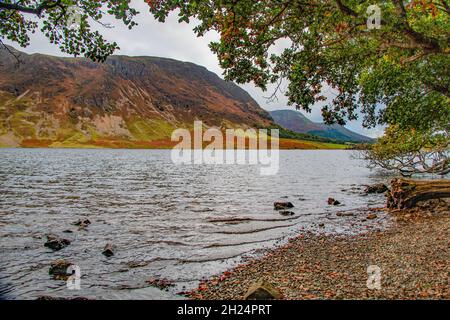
[184, 222]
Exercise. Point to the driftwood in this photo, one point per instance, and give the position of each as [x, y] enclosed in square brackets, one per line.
[405, 193]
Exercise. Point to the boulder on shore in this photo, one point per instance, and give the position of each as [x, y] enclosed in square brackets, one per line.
[287, 213]
[56, 243]
[262, 290]
[282, 205]
[376, 188]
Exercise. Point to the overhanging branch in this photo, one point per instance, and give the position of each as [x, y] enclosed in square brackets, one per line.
[32, 10]
[346, 10]
[413, 35]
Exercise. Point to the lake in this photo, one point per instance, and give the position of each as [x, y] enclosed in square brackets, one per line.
[179, 222]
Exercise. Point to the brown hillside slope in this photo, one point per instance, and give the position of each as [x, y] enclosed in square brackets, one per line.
[126, 102]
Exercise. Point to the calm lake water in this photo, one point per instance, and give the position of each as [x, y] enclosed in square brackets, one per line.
[180, 222]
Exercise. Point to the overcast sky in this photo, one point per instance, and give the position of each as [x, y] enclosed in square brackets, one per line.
[174, 40]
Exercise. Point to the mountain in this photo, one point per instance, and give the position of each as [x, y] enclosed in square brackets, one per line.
[125, 102]
[297, 122]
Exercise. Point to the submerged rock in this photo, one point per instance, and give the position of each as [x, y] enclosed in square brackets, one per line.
[60, 298]
[282, 205]
[108, 250]
[376, 188]
[333, 202]
[344, 214]
[58, 269]
[136, 264]
[56, 243]
[262, 290]
[287, 213]
[82, 223]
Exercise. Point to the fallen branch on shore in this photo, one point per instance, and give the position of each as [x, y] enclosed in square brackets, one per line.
[406, 193]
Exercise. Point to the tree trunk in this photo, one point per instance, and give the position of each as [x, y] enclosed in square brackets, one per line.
[406, 193]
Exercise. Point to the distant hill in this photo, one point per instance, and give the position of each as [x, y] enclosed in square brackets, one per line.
[125, 102]
[297, 122]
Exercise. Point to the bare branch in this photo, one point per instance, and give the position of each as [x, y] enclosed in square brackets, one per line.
[5, 47]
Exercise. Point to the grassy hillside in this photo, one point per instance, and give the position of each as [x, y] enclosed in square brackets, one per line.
[22, 125]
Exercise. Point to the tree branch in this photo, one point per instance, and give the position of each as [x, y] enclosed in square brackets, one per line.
[445, 7]
[5, 47]
[346, 10]
[37, 10]
[412, 34]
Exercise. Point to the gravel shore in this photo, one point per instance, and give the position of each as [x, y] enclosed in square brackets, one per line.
[413, 257]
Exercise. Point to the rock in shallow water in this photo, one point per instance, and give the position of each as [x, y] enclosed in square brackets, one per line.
[282, 205]
[108, 250]
[56, 243]
[333, 202]
[58, 269]
[82, 224]
[376, 188]
[287, 213]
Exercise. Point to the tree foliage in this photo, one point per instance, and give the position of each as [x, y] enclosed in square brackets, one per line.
[66, 23]
[410, 152]
[397, 74]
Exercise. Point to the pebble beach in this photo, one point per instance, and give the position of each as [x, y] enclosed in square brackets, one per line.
[412, 256]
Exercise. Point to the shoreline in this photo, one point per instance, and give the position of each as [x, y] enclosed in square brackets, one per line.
[413, 256]
[284, 144]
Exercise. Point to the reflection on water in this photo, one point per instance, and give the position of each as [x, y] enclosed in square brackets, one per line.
[180, 222]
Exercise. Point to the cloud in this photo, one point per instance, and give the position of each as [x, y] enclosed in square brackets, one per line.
[177, 40]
